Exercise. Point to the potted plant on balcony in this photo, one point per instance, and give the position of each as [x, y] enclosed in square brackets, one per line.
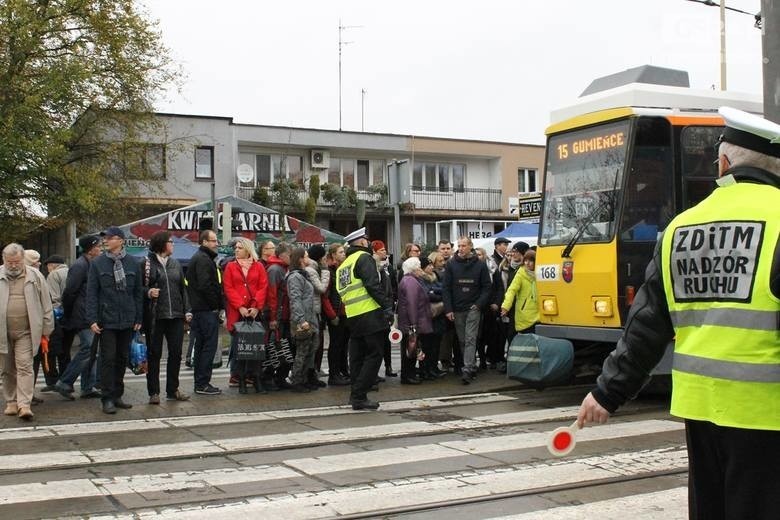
[379, 195]
[341, 197]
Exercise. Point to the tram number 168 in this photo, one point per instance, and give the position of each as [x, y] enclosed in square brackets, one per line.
[548, 272]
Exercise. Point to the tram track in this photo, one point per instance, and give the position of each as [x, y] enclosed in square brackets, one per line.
[442, 506]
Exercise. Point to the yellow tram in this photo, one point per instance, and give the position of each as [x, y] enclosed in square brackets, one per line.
[620, 164]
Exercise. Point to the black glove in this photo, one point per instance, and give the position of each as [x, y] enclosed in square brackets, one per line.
[390, 317]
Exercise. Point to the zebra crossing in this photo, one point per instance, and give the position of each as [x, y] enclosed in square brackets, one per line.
[331, 461]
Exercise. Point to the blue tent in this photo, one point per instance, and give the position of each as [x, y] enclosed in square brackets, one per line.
[519, 229]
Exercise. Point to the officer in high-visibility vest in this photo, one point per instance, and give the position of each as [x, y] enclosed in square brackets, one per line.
[369, 316]
[714, 286]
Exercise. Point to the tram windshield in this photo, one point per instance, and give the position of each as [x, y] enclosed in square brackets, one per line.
[582, 185]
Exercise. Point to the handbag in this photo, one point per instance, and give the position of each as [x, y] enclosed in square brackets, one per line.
[303, 334]
[250, 340]
[437, 308]
[139, 358]
[411, 343]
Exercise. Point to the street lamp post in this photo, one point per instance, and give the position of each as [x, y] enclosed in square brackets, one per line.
[723, 44]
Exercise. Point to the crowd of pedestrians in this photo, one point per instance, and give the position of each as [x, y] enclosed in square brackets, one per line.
[453, 308]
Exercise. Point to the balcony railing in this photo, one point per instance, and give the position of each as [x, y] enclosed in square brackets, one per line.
[373, 199]
[465, 199]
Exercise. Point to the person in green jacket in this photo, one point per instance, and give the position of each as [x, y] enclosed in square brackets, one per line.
[522, 294]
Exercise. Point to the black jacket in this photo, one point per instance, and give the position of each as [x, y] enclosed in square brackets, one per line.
[466, 283]
[74, 297]
[107, 306]
[378, 319]
[173, 301]
[203, 283]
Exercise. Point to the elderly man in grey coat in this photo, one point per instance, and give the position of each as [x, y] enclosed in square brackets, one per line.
[25, 317]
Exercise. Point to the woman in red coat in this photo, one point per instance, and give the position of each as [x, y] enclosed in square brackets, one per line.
[245, 283]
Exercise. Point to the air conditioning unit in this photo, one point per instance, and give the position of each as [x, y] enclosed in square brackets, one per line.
[320, 159]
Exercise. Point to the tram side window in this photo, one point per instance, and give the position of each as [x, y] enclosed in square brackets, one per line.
[697, 146]
[648, 200]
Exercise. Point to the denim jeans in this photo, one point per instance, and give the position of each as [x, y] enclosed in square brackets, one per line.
[467, 328]
[79, 365]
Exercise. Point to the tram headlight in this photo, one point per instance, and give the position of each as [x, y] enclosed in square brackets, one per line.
[602, 306]
[549, 305]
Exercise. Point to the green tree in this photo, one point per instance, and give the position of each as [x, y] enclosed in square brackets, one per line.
[77, 81]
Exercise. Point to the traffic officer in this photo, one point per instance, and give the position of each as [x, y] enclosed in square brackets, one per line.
[369, 316]
[714, 284]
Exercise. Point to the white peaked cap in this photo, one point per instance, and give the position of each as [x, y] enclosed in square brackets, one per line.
[358, 233]
[751, 131]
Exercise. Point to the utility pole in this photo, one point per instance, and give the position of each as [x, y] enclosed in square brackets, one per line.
[770, 42]
[341, 44]
[362, 109]
[723, 44]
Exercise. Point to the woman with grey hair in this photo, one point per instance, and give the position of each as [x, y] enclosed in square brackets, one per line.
[414, 314]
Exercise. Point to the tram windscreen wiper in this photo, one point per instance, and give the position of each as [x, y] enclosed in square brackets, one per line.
[587, 222]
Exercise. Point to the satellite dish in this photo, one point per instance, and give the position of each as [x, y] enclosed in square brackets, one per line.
[245, 173]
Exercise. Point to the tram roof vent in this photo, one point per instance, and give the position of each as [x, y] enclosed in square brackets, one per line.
[649, 74]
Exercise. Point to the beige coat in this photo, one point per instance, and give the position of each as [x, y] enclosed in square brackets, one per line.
[36, 294]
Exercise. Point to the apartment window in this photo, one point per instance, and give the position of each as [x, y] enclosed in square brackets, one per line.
[334, 171]
[140, 161]
[527, 181]
[439, 176]
[358, 174]
[271, 168]
[363, 175]
[204, 162]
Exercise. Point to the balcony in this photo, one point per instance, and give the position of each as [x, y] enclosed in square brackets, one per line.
[337, 198]
[466, 199]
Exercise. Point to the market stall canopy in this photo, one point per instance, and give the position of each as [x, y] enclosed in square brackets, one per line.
[255, 222]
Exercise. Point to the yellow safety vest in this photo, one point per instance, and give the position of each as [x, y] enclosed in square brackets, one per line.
[716, 260]
[353, 294]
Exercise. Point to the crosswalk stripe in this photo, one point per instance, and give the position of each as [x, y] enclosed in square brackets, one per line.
[671, 504]
[219, 419]
[386, 495]
[272, 441]
[83, 488]
[292, 468]
[492, 444]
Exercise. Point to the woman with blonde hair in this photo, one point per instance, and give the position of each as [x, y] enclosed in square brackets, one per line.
[245, 283]
[522, 292]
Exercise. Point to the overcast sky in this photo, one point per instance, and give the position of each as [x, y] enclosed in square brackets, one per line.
[488, 70]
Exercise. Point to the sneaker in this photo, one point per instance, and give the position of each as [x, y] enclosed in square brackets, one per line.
[233, 382]
[154, 399]
[25, 413]
[178, 396]
[64, 390]
[208, 390]
[11, 409]
[108, 407]
[48, 388]
[118, 403]
[90, 394]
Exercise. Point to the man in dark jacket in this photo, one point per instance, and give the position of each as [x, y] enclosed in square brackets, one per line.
[369, 315]
[74, 322]
[204, 286]
[115, 311]
[466, 291]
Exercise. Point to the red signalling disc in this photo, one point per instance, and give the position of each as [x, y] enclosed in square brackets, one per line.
[562, 440]
[395, 336]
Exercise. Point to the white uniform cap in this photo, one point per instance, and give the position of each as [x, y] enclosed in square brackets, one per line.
[358, 233]
[750, 131]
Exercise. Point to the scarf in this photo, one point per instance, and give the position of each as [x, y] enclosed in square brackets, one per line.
[245, 264]
[119, 269]
[162, 259]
